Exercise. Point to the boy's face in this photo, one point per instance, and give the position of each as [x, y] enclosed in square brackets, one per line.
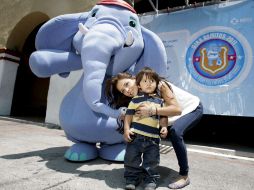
[147, 85]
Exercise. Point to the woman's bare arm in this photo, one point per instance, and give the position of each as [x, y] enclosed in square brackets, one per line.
[172, 107]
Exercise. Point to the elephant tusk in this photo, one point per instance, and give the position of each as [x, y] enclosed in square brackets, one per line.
[82, 28]
[129, 39]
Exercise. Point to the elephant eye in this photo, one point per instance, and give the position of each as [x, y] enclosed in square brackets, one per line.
[132, 23]
[94, 13]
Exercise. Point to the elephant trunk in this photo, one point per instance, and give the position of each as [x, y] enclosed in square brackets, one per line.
[98, 47]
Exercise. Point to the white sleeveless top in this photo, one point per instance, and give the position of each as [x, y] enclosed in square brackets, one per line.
[187, 101]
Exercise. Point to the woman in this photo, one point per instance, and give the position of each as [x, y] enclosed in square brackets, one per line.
[183, 109]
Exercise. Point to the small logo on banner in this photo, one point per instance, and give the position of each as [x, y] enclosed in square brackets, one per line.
[215, 58]
[218, 59]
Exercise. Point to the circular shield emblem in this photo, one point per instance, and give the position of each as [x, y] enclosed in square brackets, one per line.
[217, 56]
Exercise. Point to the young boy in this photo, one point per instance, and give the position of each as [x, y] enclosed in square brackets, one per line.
[143, 134]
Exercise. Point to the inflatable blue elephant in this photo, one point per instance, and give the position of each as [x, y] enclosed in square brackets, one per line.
[103, 42]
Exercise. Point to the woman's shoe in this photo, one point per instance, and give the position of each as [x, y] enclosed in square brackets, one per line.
[180, 183]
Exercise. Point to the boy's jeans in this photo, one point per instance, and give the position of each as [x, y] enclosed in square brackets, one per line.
[149, 147]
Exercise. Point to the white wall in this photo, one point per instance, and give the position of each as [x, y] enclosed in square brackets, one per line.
[8, 71]
[58, 88]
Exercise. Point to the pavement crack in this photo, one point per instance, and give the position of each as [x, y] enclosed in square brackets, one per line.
[57, 184]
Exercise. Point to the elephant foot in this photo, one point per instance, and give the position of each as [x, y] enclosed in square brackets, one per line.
[81, 152]
[114, 152]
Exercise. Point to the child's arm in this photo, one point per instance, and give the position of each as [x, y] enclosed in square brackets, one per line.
[127, 131]
[164, 126]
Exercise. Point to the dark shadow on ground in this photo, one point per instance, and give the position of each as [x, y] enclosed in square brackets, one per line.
[113, 178]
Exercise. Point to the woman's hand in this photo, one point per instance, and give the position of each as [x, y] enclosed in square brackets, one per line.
[164, 132]
[127, 135]
[145, 110]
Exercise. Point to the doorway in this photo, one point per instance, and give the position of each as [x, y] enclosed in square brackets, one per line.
[30, 92]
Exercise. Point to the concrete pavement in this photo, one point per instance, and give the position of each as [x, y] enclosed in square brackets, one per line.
[31, 157]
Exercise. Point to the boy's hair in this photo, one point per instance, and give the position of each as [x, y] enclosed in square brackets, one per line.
[150, 74]
[115, 98]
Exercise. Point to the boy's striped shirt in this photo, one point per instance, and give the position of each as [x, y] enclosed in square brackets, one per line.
[148, 126]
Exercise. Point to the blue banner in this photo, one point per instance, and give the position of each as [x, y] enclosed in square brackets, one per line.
[210, 54]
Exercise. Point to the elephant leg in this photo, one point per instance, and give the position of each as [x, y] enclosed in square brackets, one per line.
[45, 63]
[86, 128]
[81, 152]
[113, 152]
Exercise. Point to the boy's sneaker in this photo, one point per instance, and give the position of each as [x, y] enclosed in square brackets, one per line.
[150, 186]
[130, 186]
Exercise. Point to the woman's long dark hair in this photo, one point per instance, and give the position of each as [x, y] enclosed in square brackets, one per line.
[115, 98]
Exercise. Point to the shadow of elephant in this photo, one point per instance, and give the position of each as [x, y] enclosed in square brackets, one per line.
[112, 173]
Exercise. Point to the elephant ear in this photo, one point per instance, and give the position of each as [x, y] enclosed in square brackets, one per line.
[154, 53]
[54, 46]
[58, 32]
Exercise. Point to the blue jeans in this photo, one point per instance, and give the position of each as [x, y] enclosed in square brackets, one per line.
[177, 131]
[149, 147]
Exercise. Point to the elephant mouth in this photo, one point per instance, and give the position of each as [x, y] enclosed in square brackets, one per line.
[129, 40]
